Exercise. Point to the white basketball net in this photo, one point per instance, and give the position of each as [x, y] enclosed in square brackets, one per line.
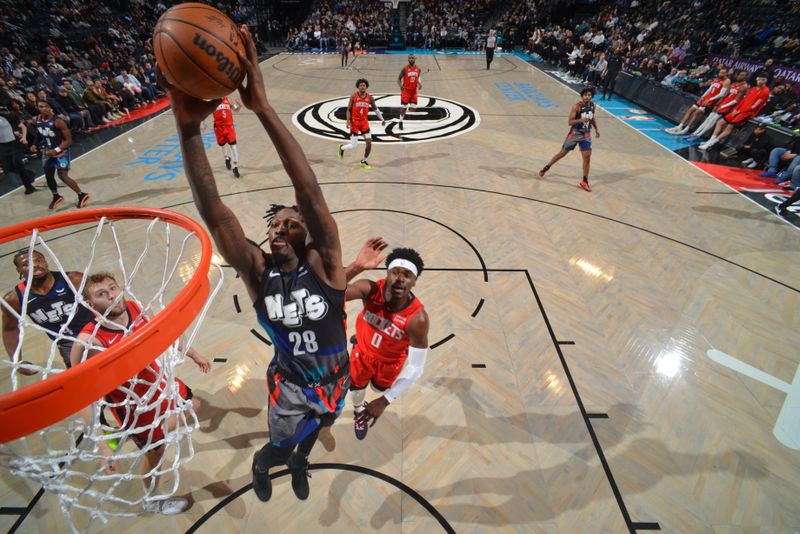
[66, 458]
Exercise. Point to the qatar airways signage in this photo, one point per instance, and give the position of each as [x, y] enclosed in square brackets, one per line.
[791, 75]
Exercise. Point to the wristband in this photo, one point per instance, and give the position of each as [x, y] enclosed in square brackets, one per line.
[57, 150]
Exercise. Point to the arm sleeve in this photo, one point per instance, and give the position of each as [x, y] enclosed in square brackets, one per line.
[721, 94]
[412, 370]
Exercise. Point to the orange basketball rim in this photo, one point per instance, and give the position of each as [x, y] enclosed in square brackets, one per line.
[44, 403]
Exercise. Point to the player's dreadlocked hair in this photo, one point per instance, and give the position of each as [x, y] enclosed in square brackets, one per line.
[408, 254]
[273, 210]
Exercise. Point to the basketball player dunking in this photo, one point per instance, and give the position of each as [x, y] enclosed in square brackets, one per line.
[580, 120]
[391, 337]
[225, 133]
[361, 102]
[56, 140]
[410, 82]
[297, 290]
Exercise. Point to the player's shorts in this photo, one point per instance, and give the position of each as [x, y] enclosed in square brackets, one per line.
[360, 128]
[126, 417]
[225, 135]
[738, 119]
[702, 104]
[61, 162]
[295, 411]
[366, 368]
[408, 97]
[576, 138]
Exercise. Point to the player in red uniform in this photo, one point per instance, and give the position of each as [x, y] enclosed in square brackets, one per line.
[226, 133]
[736, 92]
[714, 94]
[391, 337]
[410, 82]
[751, 104]
[100, 292]
[361, 102]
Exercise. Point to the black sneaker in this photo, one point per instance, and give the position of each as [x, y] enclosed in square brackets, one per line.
[57, 200]
[262, 484]
[83, 199]
[30, 190]
[781, 211]
[298, 466]
[228, 163]
[341, 152]
[236, 172]
[360, 428]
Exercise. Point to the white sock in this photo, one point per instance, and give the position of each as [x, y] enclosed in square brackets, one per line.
[712, 141]
[352, 144]
[235, 155]
[357, 399]
[224, 149]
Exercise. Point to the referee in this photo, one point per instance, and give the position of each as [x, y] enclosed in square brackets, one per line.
[491, 40]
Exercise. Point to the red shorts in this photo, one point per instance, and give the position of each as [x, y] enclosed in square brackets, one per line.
[702, 103]
[226, 135]
[126, 417]
[408, 97]
[739, 119]
[359, 127]
[366, 368]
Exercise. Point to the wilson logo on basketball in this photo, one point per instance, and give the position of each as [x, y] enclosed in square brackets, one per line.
[434, 119]
[224, 64]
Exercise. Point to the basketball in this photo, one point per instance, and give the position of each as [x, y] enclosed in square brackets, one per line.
[195, 46]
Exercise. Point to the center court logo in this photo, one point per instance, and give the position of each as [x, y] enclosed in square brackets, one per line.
[434, 119]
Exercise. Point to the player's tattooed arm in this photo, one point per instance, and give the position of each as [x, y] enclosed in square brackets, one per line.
[319, 221]
[225, 228]
[245, 257]
[400, 78]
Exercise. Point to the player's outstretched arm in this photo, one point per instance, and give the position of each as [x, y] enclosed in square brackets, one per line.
[319, 221]
[368, 257]
[225, 229]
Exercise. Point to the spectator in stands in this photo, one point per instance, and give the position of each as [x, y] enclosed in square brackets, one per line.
[778, 158]
[756, 149]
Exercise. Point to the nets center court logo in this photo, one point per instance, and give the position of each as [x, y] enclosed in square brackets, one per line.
[434, 119]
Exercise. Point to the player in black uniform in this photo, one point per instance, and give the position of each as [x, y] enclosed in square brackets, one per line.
[56, 140]
[297, 290]
[580, 120]
[51, 305]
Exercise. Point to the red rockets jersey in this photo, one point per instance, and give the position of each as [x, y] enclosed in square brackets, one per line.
[382, 333]
[410, 78]
[106, 337]
[361, 107]
[754, 100]
[223, 115]
[733, 91]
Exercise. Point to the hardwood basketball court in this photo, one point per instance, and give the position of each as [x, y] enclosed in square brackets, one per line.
[570, 388]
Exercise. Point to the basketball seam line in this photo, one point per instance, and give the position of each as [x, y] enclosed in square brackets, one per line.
[164, 57]
[167, 32]
[217, 37]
